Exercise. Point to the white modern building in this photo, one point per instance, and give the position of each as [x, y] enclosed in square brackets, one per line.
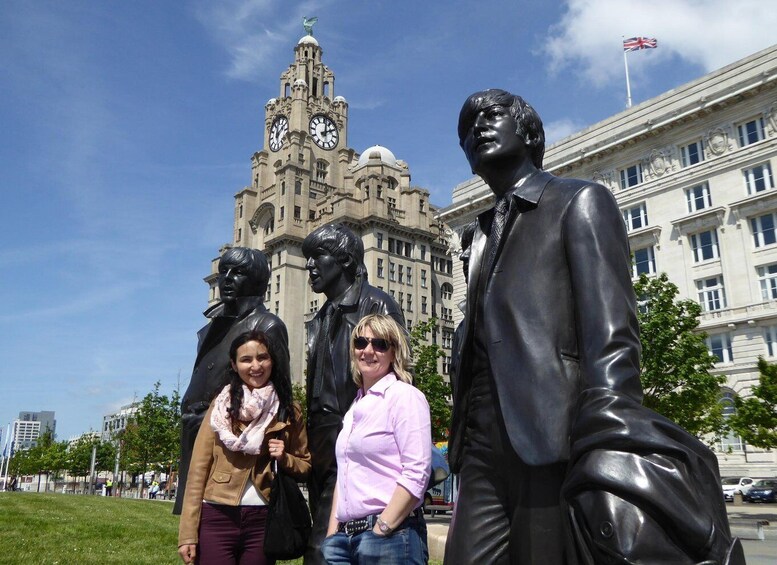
[114, 423]
[30, 426]
[692, 170]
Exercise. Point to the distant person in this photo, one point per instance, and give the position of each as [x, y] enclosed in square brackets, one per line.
[108, 487]
[335, 263]
[225, 505]
[384, 456]
[242, 282]
[152, 492]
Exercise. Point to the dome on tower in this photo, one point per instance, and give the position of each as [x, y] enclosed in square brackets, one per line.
[300, 82]
[339, 99]
[377, 152]
[308, 39]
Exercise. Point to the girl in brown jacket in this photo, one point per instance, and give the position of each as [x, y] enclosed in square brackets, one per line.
[225, 504]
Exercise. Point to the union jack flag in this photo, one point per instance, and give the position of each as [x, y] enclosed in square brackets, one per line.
[636, 43]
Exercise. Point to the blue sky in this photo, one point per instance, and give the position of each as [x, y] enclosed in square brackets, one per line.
[128, 126]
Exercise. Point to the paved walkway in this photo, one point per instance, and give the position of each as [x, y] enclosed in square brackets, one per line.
[743, 519]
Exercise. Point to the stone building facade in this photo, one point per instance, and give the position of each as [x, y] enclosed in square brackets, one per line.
[693, 171]
[307, 176]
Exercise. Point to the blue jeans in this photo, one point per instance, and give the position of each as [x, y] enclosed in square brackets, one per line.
[403, 547]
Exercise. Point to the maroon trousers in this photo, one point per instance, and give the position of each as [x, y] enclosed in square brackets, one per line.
[232, 535]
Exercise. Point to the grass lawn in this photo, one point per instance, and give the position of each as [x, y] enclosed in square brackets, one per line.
[70, 529]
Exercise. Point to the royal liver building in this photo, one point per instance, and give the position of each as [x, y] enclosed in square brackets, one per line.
[305, 176]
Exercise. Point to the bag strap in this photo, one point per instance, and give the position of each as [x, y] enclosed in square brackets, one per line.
[281, 418]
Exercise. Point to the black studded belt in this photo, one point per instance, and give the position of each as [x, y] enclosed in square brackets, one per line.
[353, 527]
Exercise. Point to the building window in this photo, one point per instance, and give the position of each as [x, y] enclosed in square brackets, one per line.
[239, 234]
[380, 268]
[447, 339]
[720, 346]
[705, 246]
[311, 215]
[423, 278]
[636, 217]
[692, 153]
[410, 275]
[698, 197]
[298, 187]
[392, 202]
[277, 283]
[380, 240]
[758, 178]
[408, 249]
[751, 132]
[731, 441]
[409, 302]
[423, 253]
[447, 314]
[446, 364]
[282, 212]
[267, 295]
[770, 336]
[421, 205]
[392, 271]
[391, 242]
[401, 277]
[401, 300]
[763, 230]
[379, 191]
[644, 262]
[446, 291]
[712, 295]
[283, 187]
[297, 213]
[631, 176]
[767, 278]
[313, 306]
[321, 171]
[240, 211]
[423, 304]
[277, 307]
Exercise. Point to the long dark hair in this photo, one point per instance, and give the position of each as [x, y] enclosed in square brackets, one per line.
[281, 382]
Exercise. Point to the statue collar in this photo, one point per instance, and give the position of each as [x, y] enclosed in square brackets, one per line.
[527, 192]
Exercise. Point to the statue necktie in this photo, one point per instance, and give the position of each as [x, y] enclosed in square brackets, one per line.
[497, 228]
[322, 351]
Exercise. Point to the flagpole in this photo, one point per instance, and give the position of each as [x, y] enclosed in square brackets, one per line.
[628, 86]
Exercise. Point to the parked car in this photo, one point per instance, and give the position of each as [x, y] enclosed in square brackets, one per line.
[764, 490]
[735, 485]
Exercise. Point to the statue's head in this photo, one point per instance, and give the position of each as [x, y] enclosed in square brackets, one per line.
[242, 272]
[527, 123]
[335, 257]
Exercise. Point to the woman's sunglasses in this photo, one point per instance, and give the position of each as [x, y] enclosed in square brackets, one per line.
[378, 343]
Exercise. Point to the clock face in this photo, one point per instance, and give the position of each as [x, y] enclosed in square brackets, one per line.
[279, 128]
[324, 132]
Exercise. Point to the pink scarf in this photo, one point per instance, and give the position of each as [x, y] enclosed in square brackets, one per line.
[259, 407]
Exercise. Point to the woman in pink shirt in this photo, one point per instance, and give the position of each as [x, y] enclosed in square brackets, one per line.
[384, 456]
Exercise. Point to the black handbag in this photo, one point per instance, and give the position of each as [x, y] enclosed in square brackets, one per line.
[288, 518]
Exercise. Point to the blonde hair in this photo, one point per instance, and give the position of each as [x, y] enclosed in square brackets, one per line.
[387, 328]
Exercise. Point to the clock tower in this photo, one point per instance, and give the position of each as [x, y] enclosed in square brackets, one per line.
[307, 176]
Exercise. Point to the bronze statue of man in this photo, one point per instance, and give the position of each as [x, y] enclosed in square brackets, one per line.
[559, 463]
[335, 263]
[243, 275]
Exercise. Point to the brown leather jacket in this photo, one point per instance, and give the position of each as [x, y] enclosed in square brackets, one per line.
[219, 475]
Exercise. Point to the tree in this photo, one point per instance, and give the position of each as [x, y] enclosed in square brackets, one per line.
[756, 417]
[428, 380]
[152, 436]
[675, 359]
[299, 393]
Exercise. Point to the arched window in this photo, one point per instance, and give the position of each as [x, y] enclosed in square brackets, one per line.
[731, 441]
[446, 291]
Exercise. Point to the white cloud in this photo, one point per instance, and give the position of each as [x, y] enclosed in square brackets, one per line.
[708, 33]
[559, 129]
[241, 26]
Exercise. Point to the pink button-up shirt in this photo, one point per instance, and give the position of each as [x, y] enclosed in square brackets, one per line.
[386, 441]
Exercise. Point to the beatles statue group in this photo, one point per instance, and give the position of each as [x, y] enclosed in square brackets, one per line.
[558, 461]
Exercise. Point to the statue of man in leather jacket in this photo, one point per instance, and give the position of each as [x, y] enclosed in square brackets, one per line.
[558, 460]
[335, 264]
[243, 275]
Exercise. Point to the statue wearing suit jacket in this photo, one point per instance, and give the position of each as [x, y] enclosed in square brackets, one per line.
[550, 314]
